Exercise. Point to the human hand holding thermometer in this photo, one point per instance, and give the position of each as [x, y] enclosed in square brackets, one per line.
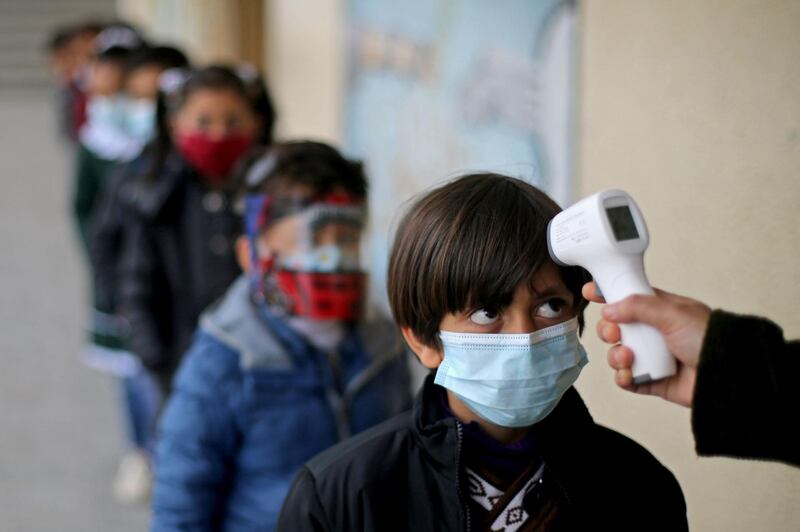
[606, 234]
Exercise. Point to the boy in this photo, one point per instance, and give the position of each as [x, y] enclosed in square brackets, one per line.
[284, 366]
[498, 439]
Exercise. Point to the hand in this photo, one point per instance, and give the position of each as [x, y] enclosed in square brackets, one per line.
[681, 320]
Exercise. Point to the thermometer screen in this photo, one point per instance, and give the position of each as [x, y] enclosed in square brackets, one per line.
[622, 223]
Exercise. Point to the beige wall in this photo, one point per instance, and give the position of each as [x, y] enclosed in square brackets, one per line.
[694, 108]
[208, 30]
[305, 66]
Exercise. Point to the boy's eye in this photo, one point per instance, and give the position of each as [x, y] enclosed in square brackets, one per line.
[552, 308]
[483, 317]
[232, 123]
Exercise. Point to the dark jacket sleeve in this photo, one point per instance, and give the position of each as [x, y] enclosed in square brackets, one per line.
[138, 271]
[105, 245]
[746, 397]
[87, 185]
[302, 510]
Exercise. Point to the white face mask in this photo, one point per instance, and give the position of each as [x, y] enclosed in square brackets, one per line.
[140, 119]
[512, 380]
[107, 111]
[107, 130]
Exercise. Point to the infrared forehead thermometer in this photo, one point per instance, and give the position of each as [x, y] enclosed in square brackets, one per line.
[606, 234]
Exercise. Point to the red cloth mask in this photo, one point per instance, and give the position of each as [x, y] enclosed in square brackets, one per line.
[214, 158]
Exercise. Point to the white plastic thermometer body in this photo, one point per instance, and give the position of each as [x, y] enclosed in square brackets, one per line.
[606, 234]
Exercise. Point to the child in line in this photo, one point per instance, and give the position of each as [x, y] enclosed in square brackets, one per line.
[498, 439]
[68, 52]
[108, 352]
[285, 365]
[179, 238]
[104, 141]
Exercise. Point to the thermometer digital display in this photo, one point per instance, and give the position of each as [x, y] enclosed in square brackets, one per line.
[606, 234]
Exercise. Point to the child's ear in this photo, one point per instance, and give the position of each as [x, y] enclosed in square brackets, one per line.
[430, 357]
[243, 256]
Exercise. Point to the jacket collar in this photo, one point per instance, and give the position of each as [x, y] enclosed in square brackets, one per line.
[559, 437]
[152, 195]
[234, 322]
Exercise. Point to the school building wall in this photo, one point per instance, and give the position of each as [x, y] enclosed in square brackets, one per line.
[691, 106]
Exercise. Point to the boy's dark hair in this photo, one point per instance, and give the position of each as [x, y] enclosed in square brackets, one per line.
[468, 245]
[307, 163]
[164, 57]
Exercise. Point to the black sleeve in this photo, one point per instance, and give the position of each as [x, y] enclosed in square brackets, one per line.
[87, 185]
[746, 398]
[139, 267]
[105, 244]
[302, 510]
[672, 512]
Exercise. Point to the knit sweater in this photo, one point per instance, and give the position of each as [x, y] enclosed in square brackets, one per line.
[746, 399]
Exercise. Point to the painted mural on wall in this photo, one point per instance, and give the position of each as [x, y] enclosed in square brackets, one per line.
[437, 88]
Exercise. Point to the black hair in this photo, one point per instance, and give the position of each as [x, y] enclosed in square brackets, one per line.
[278, 170]
[468, 245]
[261, 101]
[173, 97]
[164, 57]
[59, 39]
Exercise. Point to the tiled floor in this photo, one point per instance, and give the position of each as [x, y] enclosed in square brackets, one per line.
[60, 428]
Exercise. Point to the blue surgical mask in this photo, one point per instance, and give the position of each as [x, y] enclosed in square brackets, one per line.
[512, 380]
[107, 111]
[141, 119]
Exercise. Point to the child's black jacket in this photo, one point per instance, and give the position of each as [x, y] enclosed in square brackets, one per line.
[179, 258]
[405, 475]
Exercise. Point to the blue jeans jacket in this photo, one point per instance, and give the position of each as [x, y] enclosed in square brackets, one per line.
[252, 402]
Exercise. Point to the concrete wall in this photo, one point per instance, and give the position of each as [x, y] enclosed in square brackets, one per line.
[694, 108]
[208, 30]
[306, 66]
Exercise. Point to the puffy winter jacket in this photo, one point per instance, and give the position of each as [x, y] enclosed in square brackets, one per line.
[252, 402]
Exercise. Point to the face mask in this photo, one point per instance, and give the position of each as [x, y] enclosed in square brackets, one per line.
[328, 258]
[106, 132]
[107, 111]
[141, 119]
[318, 282]
[214, 158]
[512, 380]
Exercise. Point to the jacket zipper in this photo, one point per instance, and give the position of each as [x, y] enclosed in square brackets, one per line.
[464, 503]
[336, 399]
[560, 486]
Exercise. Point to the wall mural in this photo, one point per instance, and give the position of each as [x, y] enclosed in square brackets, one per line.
[437, 88]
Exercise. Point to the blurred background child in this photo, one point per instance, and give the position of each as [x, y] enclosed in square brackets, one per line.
[286, 364]
[69, 51]
[104, 140]
[179, 252]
